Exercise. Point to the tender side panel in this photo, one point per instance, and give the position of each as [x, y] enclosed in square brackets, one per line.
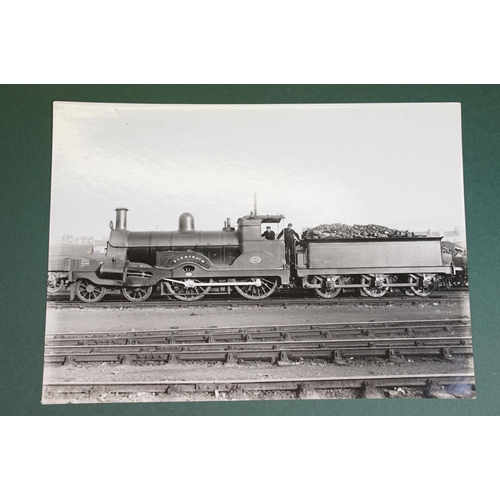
[385, 253]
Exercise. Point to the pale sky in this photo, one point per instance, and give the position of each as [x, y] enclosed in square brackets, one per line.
[398, 165]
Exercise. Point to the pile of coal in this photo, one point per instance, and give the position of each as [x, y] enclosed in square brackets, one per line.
[345, 231]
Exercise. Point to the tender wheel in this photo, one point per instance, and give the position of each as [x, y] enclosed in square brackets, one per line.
[88, 292]
[324, 292]
[137, 293]
[374, 291]
[256, 292]
[187, 290]
[422, 289]
[54, 284]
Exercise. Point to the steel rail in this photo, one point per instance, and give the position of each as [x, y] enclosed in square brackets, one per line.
[226, 339]
[274, 336]
[260, 385]
[268, 302]
[278, 294]
[255, 351]
[265, 343]
[264, 331]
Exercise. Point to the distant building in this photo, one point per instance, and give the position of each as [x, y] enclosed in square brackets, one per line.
[66, 239]
[71, 246]
[456, 236]
[69, 239]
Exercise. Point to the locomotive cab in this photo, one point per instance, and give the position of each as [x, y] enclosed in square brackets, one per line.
[250, 230]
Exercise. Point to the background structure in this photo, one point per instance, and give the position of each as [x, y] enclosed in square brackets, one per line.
[26, 145]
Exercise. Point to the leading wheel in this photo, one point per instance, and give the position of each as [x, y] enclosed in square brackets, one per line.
[375, 291]
[262, 288]
[137, 293]
[188, 290]
[86, 291]
[324, 292]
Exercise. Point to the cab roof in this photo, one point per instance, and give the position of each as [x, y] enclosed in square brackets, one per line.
[264, 219]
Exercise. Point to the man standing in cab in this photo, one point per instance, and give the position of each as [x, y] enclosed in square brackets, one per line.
[290, 237]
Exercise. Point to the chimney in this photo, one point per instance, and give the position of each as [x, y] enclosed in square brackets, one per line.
[121, 218]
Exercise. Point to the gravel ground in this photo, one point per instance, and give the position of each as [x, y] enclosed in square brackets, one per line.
[98, 320]
[164, 372]
[154, 372]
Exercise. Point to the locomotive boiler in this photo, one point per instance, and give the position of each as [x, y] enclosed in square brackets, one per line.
[188, 264]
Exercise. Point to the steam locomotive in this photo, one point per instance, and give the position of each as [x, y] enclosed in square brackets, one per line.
[188, 264]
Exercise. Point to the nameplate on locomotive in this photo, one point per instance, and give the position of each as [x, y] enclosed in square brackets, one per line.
[174, 259]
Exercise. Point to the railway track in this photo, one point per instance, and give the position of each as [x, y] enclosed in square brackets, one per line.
[275, 344]
[62, 302]
[305, 388]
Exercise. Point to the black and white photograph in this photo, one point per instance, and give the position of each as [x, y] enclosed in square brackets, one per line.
[257, 252]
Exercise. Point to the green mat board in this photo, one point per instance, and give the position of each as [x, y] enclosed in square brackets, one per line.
[25, 139]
